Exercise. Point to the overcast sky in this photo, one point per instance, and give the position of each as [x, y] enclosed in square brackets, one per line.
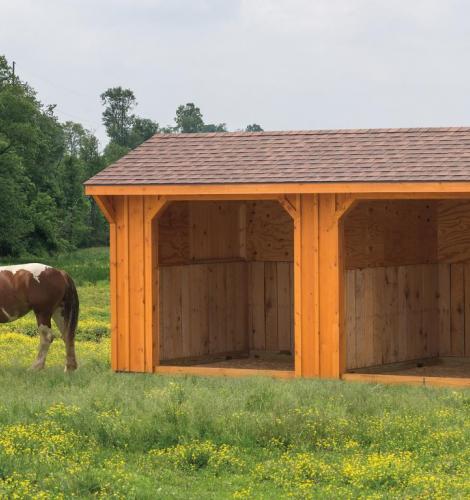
[285, 64]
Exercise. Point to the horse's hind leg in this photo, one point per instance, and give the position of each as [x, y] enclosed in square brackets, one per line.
[46, 337]
[69, 340]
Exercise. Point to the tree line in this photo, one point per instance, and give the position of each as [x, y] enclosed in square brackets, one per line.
[43, 164]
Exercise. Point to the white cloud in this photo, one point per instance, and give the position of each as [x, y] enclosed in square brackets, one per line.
[283, 63]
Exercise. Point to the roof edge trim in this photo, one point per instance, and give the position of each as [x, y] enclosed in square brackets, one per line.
[462, 188]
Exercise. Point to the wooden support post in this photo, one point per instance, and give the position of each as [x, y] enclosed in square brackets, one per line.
[124, 327]
[310, 364]
[154, 207]
[136, 272]
[298, 288]
[330, 288]
[332, 344]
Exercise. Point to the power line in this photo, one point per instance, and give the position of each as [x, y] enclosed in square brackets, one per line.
[94, 127]
[86, 122]
[59, 86]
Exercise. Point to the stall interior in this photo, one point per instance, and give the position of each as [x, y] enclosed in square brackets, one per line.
[225, 272]
[407, 287]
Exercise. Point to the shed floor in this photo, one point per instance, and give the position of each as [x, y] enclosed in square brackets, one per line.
[439, 367]
[281, 362]
[255, 364]
[445, 371]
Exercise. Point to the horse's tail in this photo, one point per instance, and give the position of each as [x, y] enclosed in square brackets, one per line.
[71, 306]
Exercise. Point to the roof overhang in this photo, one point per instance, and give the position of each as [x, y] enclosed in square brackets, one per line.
[431, 188]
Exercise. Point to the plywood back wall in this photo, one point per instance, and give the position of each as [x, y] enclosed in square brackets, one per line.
[390, 233]
[201, 231]
[453, 230]
[270, 232]
[192, 232]
[407, 232]
[173, 235]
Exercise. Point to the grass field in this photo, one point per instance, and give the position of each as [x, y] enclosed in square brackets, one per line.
[99, 434]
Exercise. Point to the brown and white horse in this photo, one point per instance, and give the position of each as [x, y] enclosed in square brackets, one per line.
[51, 294]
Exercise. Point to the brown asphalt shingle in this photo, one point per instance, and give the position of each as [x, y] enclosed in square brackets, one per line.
[380, 155]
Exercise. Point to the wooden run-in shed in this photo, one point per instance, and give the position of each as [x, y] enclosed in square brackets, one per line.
[320, 254]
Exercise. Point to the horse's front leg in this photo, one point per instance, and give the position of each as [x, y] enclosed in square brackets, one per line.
[46, 337]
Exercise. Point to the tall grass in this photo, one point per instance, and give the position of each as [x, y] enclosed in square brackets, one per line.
[99, 434]
[89, 265]
[148, 436]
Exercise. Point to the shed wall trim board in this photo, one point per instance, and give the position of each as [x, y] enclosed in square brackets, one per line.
[364, 190]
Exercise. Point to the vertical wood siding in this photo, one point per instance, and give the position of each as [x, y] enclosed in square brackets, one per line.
[227, 306]
[264, 285]
[391, 314]
[135, 279]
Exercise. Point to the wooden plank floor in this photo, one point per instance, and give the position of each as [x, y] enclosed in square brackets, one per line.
[252, 362]
[436, 367]
[255, 364]
[271, 366]
[451, 372]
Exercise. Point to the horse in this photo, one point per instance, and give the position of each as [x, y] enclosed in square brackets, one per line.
[51, 294]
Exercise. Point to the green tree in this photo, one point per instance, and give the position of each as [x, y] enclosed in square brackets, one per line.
[189, 118]
[117, 115]
[15, 222]
[142, 129]
[74, 135]
[124, 128]
[82, 223]
[93, 162]
[254, 127]
[168, 130]
[43, 164]
[44, 235]
[75, 219]
[31, 145]
[113, 151]
[212, 127]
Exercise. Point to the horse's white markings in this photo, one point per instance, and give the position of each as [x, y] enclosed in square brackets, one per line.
[35, 269]
[7, 315]
[46, 337]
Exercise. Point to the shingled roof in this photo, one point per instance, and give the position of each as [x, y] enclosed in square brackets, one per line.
[376, 155]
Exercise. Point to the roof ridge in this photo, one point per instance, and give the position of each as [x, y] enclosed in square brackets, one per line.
[310, 132]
